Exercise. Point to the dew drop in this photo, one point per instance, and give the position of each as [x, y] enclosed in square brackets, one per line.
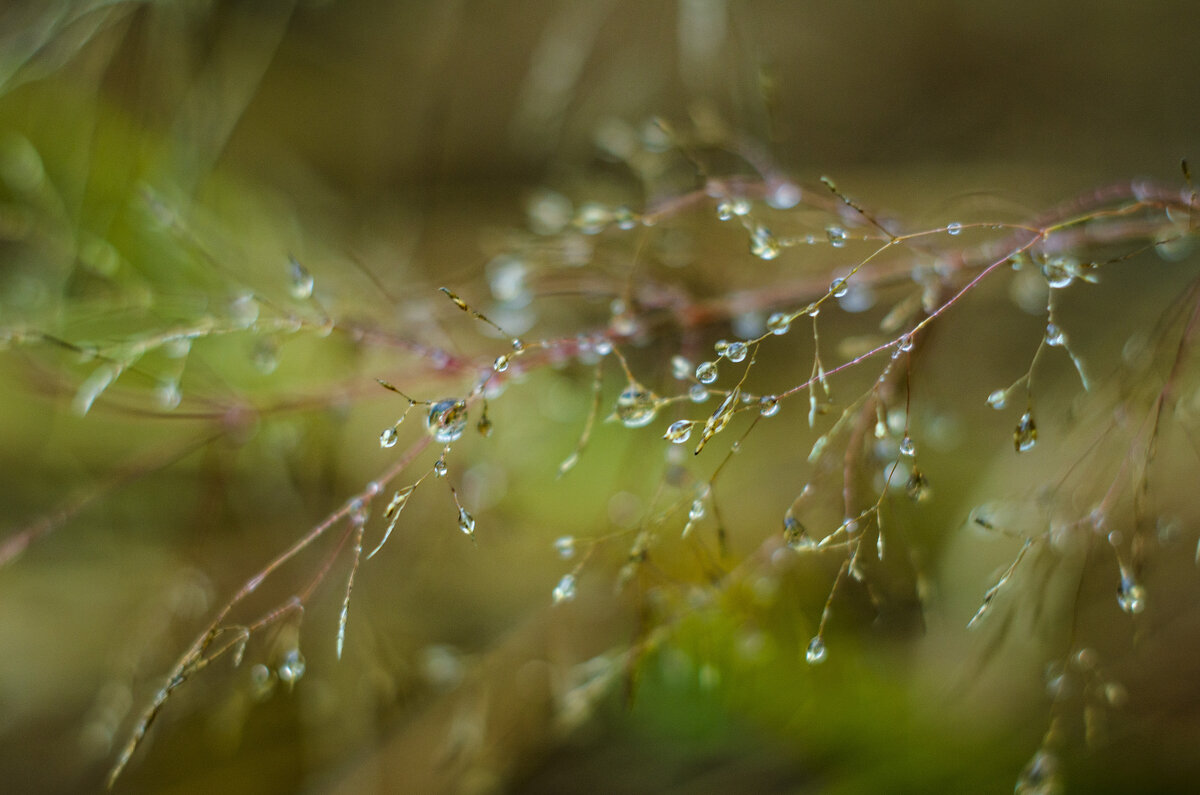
[741, 206]
[697, 393]
[839, 287]
[953, 228]
[592, 217]
[763, 244]
[1055, 336]
[501, 363]
[1059, 272]
[907, 446]
[262, 682]
[439, 468]
[735, 351]
[998, 399]
[681, 368]
[565, 547]
[1131, 595]
[300, 280]
[816, 653]
[466, 522]
[291, 669]
[795, 535]
[168, 394]
[565, 590]
[917, 487]
[706, 372]
[724, 210]
[636, 406]
[905, 343]
[1025, 434]
[779, 323]
[836, 235]
[768, 406]
[679, 432]
[447, 420]
[389, 437]
[696, 512]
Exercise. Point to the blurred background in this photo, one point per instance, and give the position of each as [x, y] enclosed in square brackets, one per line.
[162, 161]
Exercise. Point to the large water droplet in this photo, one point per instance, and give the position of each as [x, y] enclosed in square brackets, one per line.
[816, 652]
[768, 406]
[1059, 271]
[779, 323]
[679, 432]
[735, 351]
[447, 420]
[636, 406]
[706, 372]
[1025, 434]
[389, 437]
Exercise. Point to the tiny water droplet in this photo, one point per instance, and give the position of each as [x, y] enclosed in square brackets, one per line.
[636, 406]
[679, 432]
[836, 235]
[565, 547]
[439, 468]
[301, 281]
[907, 446]
[905, 343]
[696, 512]
[168, 394]
[741, 206]
[447, 420]
[816, 652]
[794, 534]
[565, 590]
[1025, 434]
[389, 437]
[779, 323]
[262, 682]
[1131, 595]
[998, 399]
[953, 228]
[839, 287]
[466, 522]
[706, 372]
[484, 426]
[768, 406]
[681, 368]
[1055, 336]
[735, 351]
[501, 363]
[763, 244]
[291, 669]
[724, 210]
[697, 393]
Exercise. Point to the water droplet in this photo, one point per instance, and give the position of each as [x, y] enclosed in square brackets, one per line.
[779, 323]
[1131, 595]
[1055, 336]
[291, 669]
[439, 468]
[389, 437]
[301, 281]
[813, 310]
[1025, 434]
[466, 522]
[565, 547]
[696, 512]
[836, 235]
[763, 244]
[697, 393]
[177, 347]
[998, 399]
[1115, 694]
[795, 535]
[849, 526]
[724, 210]
[706, 372]
[636, 406]
[839, 287]
[679, 432]
[768, 406]
[565, 590]
[168, 394]
[907, 446]
[592, 217]
[243, 310]
[681, 368]
[917, 487]
[1040, 776]
[549, 212]
[447, 420]
[735, 351]
[953, 228]
[816, 652]
[741, 206]
[262, 682]
[905, 343]
[1059, 271]
[92, 388]
[501, 363]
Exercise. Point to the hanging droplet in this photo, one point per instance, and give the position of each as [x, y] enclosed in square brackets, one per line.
[301, 281]
[439, 468]
[794, 534]
[1059, 271]
[917, 487]
[779, 323]
[1025, 434]
[724, 210]
[636, 406]
[1055, 336]
[484, 426]
[953, 228]
[697, 393]
[1040, 776]
[768, 406]
[839, 288]
[735, 351]
[168, 394]
[447, 420]
[907, 446]
[565, 590]
[501, 363]
[1131, 595]
[706, 372]
[763, 244]
[905, 344]
[998, 399]
[836, 235]
[91, 389]
[291, 669]
[679, 432]
[389, 437]
[696, 512]
[565, 547]
[816, 653]
[466, 522]
[681, 368]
